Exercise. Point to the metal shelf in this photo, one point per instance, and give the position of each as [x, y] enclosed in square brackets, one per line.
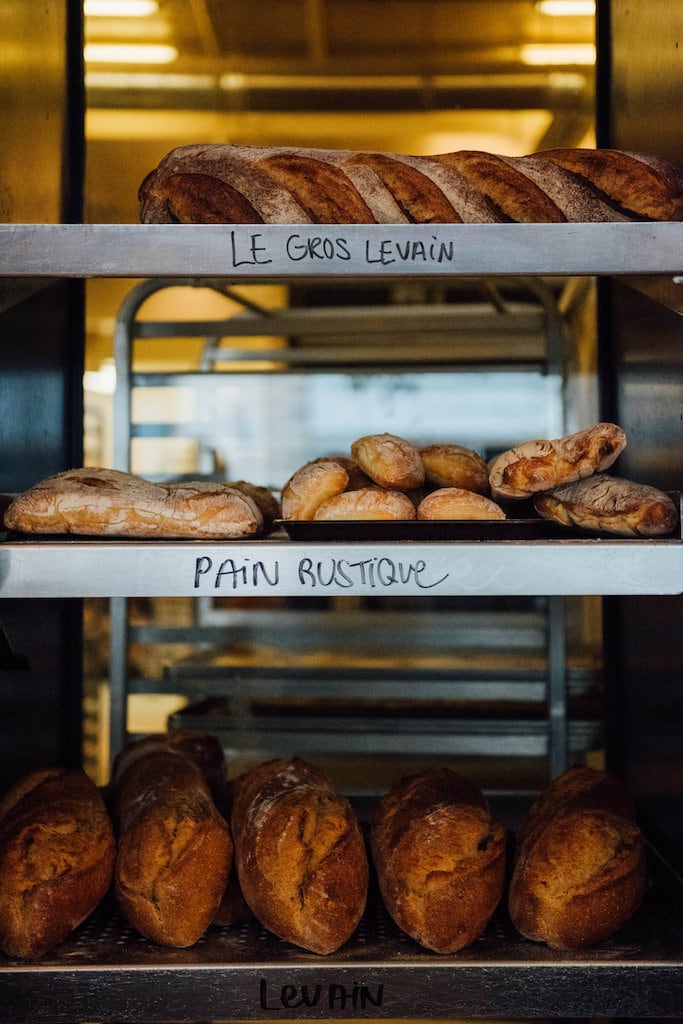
[276, 251]
[276, 567]
[105, 971]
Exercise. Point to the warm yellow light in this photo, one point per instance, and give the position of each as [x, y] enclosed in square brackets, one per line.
[567, 8]
[128, 53]
[552, 54]
[120, 8]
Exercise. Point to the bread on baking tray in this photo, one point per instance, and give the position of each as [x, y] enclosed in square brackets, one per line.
[440, 859]
[300, 854]
[235, 184]
[56, 858]
[604, 502]
[580, 868]
[174, 847]
[456, 503]
[108, 502]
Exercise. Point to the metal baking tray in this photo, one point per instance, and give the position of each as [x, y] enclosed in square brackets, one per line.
[106, 972]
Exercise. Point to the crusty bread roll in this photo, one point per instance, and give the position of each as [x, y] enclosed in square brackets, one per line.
[608, 503]
[222, 183]
[390, 461]
[580, 868]
[543, 465]
[458, 503]
[107, 502]
[174, 848]
[453, 465]
[299, 853]
[266, 502]
[365, 504]
[56, 858]
[310, 485]
[440, 859]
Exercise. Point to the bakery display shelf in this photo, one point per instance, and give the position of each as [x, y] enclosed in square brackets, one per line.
[277, 567]
[105, 971]
[282, 251]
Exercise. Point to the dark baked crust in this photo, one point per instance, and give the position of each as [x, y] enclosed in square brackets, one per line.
[608, 503]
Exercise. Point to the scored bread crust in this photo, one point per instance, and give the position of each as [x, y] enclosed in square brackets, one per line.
[440, 859]
[109, 502]
[390, 461]
[609, 503]
[457, 503]
[57, 855]
[365, 504]
[453, 465]
[543, 465]
[226, 183]
[310, 485]
[580, 868]
[299, 853]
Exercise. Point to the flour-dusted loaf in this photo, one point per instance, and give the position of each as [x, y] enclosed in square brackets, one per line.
[174, 847]
[300, 854]
[580, 868]
[609, 503]
[56, 858]
[457, 503]
[110, 503]
[542, 465]
[235, 184]
[440, 859]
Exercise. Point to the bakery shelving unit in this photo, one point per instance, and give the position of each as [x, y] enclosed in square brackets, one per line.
[106, 972]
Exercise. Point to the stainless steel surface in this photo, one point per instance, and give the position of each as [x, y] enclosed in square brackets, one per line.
[296, 251]
[107, 972]
[277, 568]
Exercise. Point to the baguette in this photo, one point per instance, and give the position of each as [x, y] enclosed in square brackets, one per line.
[56, 859]
[300, 855]
[174, 848]
[580, 868]
[222, 183]
[440, 859]
[107, 502]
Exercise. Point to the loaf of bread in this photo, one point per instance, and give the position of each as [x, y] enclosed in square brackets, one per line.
[608, 503]
[300, 855]
[457, 503]
[110, 503]
[580, 867]
[440, 859]
[543, 465]
[174, 847]
[365, 504]
[56, 859]
[234, 184]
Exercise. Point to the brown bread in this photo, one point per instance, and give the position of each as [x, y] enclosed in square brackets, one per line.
[233, 184]
[56, 859]
[580, 867]
[174, 847]
[440, 859]
[299, 853]
[608, 503]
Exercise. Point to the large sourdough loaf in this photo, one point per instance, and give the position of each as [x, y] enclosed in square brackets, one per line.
[222, 183]
[56, 858]
[299, 853]
[580, 867]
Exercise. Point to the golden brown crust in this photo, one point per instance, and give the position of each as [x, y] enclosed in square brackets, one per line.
[293, 185]
[543, 465]
[608, 503]
[365, 504]
[266, 502]
[440, 859]
[580, 869]
[56, 859]
[310, 485]
[457, 503]
[390, 461]
[110, 503]
[453, 465]
[300, 854]
[174, 848]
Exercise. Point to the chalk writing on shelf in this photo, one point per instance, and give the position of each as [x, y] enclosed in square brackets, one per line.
[328, 996]
[310, 574]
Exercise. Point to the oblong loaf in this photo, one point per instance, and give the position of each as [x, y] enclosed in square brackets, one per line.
[299, 853]
[107, 502]
[56, 859]
[608, 503]
[174, 848]
[580, 868]
[234, 184]
[440, 859]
